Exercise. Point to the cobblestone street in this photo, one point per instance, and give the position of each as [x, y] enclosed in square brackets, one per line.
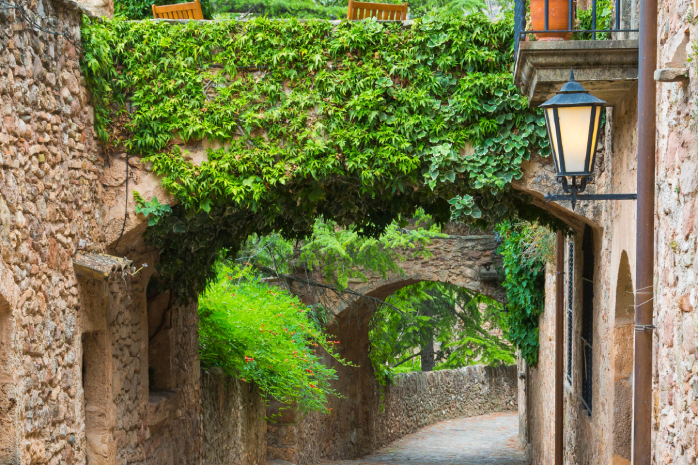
[487, 439]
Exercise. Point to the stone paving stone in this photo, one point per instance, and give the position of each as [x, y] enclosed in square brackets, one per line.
[482, 440]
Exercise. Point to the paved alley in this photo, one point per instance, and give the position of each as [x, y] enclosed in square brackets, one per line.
[487, 439]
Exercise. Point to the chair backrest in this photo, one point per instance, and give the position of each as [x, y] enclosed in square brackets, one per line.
[191, 10]
[380, 11]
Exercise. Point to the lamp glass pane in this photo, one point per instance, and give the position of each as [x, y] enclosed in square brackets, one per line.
[594, 139]
[550, 119]
[574, 132]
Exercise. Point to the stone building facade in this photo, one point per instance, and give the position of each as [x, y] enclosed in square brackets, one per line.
[96, 366]
[599, 320]
[105, 370]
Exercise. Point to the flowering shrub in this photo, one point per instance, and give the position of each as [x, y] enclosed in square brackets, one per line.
[263, 334]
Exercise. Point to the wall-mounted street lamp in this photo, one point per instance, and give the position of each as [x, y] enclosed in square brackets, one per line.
[573, 119]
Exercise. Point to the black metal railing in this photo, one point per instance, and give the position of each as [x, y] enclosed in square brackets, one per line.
[592, 33]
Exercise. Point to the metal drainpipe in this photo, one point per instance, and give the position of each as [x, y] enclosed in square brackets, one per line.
[559, 343]
[644, 247]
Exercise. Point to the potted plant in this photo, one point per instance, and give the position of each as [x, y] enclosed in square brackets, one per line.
[558, 19]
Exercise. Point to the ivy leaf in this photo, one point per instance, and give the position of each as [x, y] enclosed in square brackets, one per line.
[205, 205]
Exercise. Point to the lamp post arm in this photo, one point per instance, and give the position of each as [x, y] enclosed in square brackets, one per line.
[592, 197]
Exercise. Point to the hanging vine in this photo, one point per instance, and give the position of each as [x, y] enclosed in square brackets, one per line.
[357, 123]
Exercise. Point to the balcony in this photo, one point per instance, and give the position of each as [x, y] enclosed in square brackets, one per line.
[599, 43]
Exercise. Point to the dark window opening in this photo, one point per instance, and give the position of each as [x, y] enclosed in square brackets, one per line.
[160, 341]
[587, 316]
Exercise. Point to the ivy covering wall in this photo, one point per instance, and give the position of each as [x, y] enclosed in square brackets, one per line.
[356, 123]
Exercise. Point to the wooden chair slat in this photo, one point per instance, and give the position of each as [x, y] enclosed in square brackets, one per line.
[190, 10]
[380, 11]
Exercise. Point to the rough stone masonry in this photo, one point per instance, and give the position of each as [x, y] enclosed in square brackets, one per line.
[102, 371]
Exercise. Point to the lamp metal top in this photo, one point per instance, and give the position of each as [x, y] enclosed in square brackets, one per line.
[572, 94]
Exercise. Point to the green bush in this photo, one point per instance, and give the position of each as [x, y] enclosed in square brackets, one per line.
[604, 16]
[262, 334]
[304, 9]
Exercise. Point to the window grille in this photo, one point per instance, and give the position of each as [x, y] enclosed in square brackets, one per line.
[587, 316]
[570, 316]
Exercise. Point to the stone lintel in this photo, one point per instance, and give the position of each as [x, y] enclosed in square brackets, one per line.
[99, 266]
[606, 68]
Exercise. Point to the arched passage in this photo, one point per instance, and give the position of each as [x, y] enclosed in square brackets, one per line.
[623, 331]
[362, 401]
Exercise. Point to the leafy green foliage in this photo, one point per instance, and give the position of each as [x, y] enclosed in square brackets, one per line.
[337, 9]
[357, 123]
[264, 335]
[154, 211]
[419, 8]
[342, 254]
[302, 9]
[525, 248]
[142, 9]
[604, 19]
[466, 327]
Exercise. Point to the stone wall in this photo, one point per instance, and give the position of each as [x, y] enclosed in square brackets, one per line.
[416, 400]
[49, 208]
[420, 399]
[675, 371]
[233, 419]
[604, 436]
[96, 371]
[599, 437]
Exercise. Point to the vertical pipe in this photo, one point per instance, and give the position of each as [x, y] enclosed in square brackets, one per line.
[559, 343]
[547, 13]
[644, 247]
[593, 19]
[570, 18]
[617, 16]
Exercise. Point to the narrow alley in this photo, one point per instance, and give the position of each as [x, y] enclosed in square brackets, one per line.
[481, 440]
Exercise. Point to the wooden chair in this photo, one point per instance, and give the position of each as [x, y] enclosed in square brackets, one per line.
[191, 10]
[380, 11]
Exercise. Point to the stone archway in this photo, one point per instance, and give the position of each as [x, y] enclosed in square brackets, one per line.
[623, 333]
[470, 262]
[354, 428]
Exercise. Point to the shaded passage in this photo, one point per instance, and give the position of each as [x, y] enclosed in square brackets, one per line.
[485, 439]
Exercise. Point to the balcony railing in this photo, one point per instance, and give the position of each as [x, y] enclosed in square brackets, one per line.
[594, 33]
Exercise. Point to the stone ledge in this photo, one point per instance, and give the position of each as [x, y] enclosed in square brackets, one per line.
[606, 68]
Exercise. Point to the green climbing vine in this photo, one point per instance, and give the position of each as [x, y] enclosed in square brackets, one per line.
[525, 249]
[357, 123]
